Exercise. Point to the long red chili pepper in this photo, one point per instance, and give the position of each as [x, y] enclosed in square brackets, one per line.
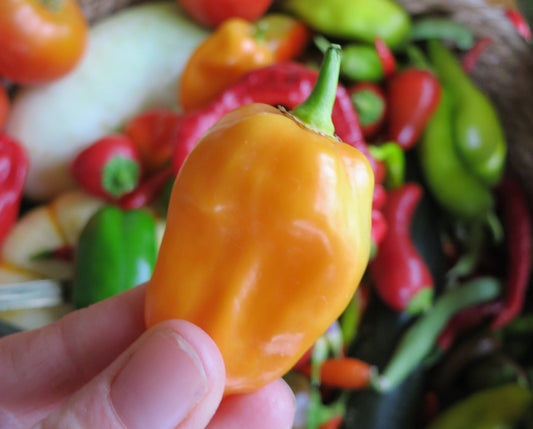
[287, 84]
[401, 277]
[471, 58]
[413, 96]
[14, 166]
[386, 57]
[517, 226]
[147, 191]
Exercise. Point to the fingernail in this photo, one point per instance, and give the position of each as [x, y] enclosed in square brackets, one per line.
[160, 384]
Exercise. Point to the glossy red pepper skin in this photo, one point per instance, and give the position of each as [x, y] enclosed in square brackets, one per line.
[287, 84]
[147, 191]
[413, 96]
[517, 225]
[14, 166]
[398, 270]
[108, 168]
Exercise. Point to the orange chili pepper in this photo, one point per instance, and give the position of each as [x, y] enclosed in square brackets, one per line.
[267, 234]
[343, 373]
[235, 48]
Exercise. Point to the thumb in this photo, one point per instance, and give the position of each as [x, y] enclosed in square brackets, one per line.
[172, 376]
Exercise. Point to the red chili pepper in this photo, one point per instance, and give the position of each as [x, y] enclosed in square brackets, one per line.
[379, 198]
[4, 106]
[333, 423]
[342, 373]
[464, 321]
[154, 134]
[108, 168]
[471, 58]
[379, 229]
[401, 277]
[517, 225]
[519, 22]
[386, 57]
[14, 166]
[370, 105]
[287, 84]
[413, 96]
[146, 192]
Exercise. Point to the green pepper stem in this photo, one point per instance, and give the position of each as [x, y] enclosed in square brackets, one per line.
[53, 5]
[315, 112]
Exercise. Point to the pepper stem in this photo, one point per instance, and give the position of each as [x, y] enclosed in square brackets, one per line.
[53, 5]
[315, 112]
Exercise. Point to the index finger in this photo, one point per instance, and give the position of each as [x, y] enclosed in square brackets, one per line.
[42, 367]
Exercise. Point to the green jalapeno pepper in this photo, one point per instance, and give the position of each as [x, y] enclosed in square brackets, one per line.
[116, 251]
[449, 180]
[495, 408]
[479, 138]
[356, 19]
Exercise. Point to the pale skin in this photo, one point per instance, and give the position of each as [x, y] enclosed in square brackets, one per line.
[99, 367]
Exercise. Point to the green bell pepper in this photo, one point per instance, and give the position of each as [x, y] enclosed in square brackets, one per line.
[116, 251]
[356, 19]
[495, 408]
[479, 138]
[451, 183]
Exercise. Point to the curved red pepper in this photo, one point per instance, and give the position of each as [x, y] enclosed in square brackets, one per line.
[517, 225]
[520, 23]
[471, 58]
[401, 277]
[147, 191]
[413, 96]
[287, 84]
[386, 57]
[14, 166]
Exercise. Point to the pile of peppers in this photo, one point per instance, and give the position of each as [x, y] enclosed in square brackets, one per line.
[338, 212]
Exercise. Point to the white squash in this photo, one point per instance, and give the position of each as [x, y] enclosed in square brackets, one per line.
[133, 61]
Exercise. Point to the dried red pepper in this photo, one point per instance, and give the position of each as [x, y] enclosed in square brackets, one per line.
[14, 166]
[471, 58]
[401, 277]
[517, 225]
[287, 84]
[519, 22]
[413, 96]
[108, 168]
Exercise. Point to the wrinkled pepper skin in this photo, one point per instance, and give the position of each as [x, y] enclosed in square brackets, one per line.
[116, 251]
[451, 183]
[479, 137]
[267, 238]
[355, 19]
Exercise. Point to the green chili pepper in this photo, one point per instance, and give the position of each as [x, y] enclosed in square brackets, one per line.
[420, 337]
[116, 251]
[356, 19]
[394, 157]
[449, 180]
[442, 29]
[500, 407]
[479, 138]
[361, 63]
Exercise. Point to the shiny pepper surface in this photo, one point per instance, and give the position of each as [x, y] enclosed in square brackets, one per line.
[267, 238]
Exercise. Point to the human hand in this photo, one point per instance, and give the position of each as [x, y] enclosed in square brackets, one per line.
[98, 368]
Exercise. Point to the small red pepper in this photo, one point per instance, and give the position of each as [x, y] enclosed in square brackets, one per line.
[413, 96]
[517, 226]
[401, 277]
[14, 166]
[4, 106]
[147, 191]
[519, 22]
[287, 84]
[386, 57]
[154, 133]
[471, 58]
[108, 168]
[333, 423]
[370, 104]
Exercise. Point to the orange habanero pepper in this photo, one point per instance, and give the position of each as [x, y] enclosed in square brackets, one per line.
[267, 234]
[235, 48]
